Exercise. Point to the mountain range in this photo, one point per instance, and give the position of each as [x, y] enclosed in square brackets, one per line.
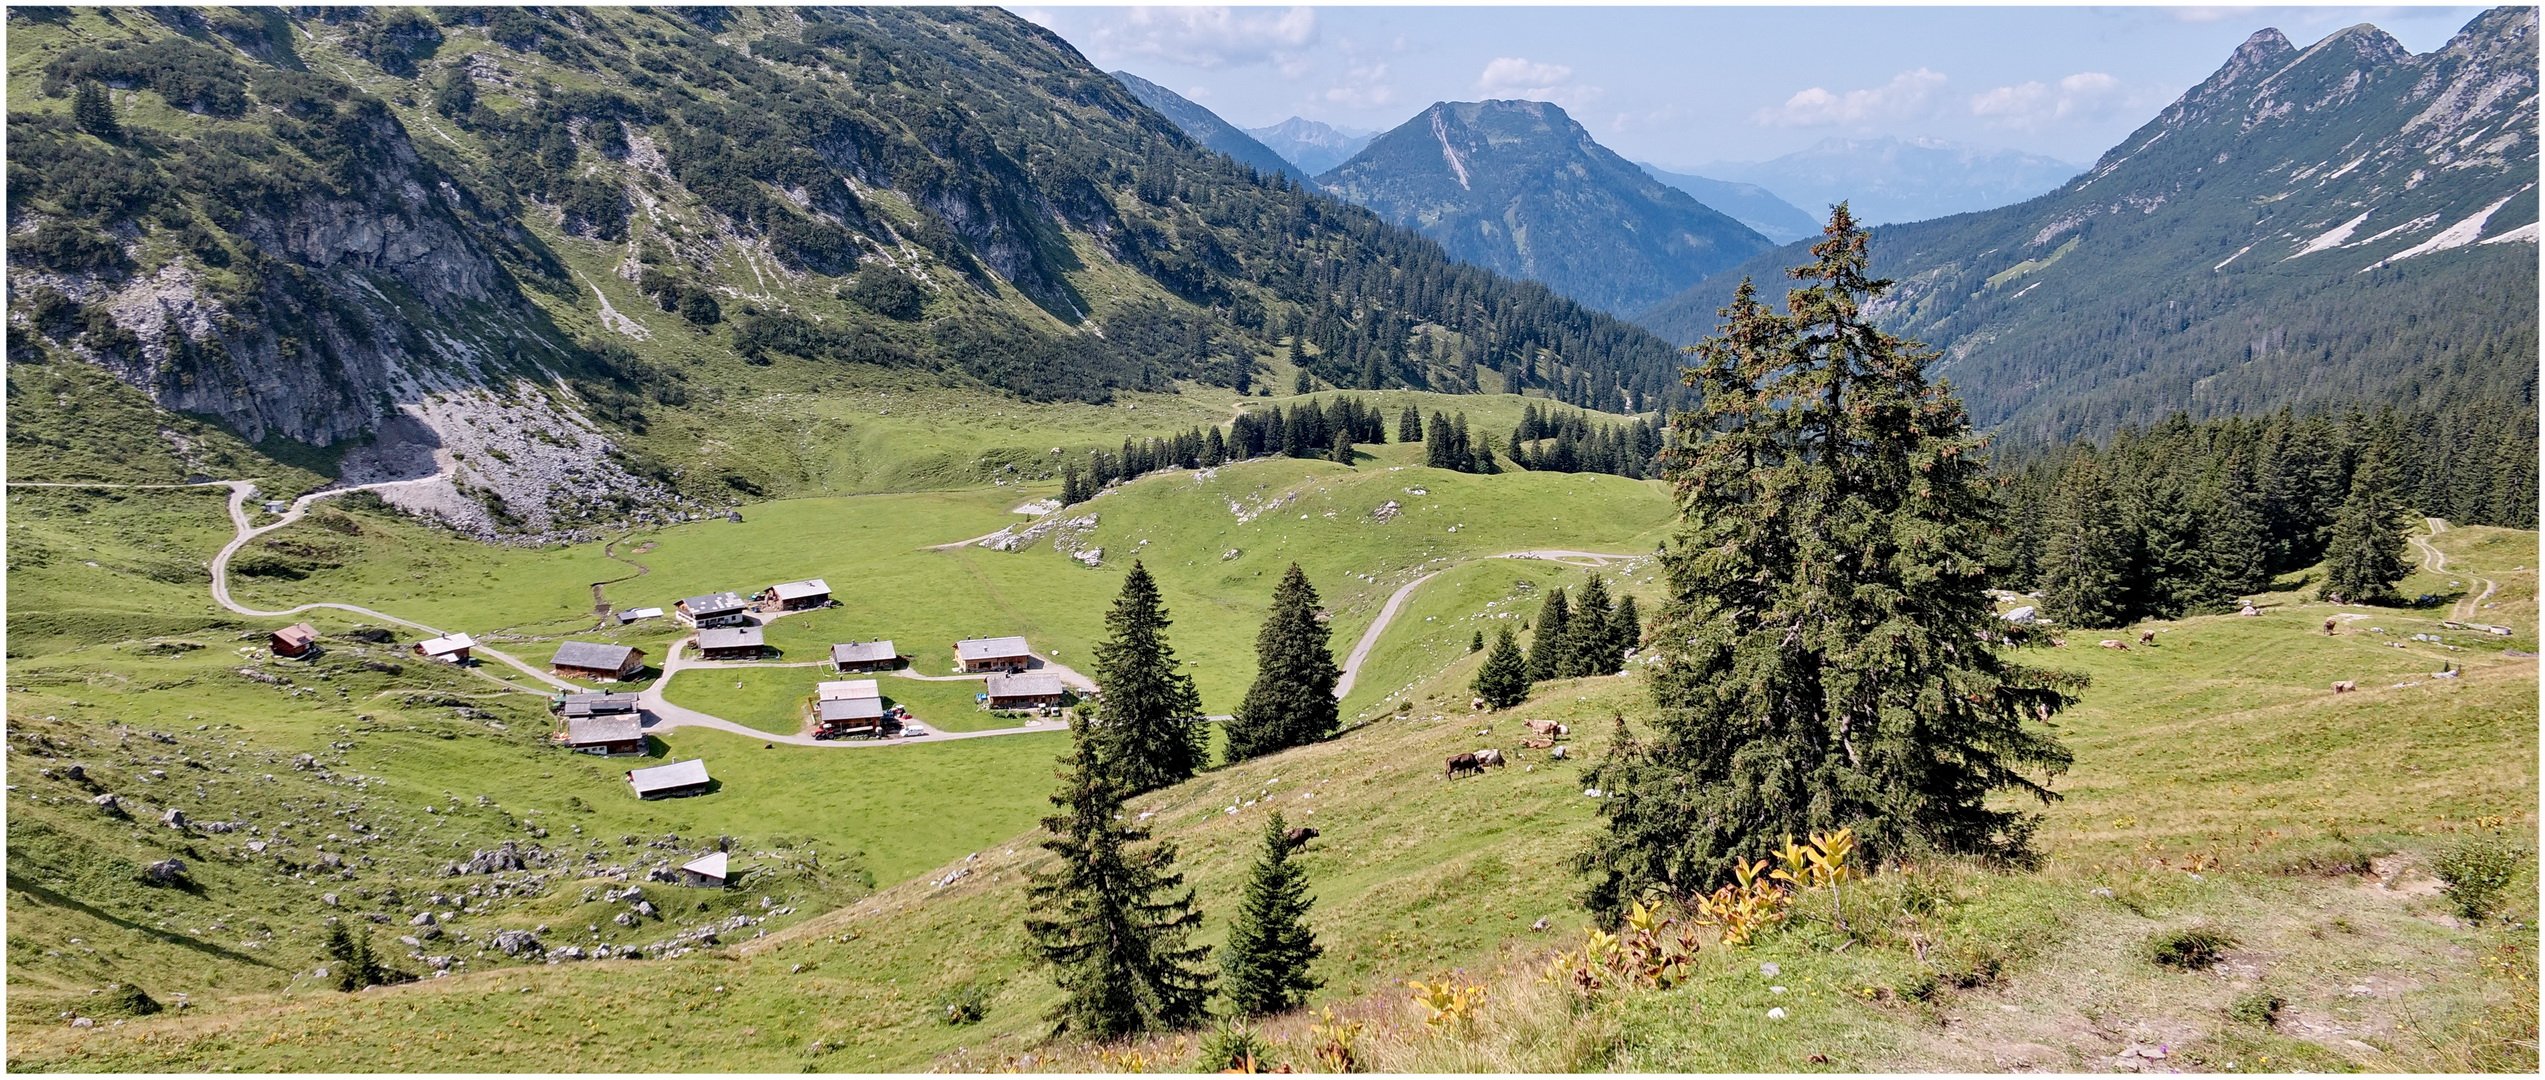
[1208, 129]
[1757, 207]
[1314, 147]
[1520, 188]
[2345, 222]
[537, 245]
[1889, 179]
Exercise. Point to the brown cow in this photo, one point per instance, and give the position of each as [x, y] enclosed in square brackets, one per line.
[2345, 686]
[2114, 643]
[2329, 624]
[1462, 764]
[1490, 757]
[2147, 638]
[1536, 744]
[1298, 838]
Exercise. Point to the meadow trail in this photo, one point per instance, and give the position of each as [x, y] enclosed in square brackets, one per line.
[1396, 601]
[2435, 561]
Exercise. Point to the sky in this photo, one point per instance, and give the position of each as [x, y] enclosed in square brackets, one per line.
[1684, 86]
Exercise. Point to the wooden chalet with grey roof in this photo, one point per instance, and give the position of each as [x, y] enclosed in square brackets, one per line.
[867, 656]
[609, 735]
[572, 706]
[670, 781]
[601, 663]
[796, 595]
[713, 609]
[294, 641]
[732, 643]
[993, 654]
[1025, 691]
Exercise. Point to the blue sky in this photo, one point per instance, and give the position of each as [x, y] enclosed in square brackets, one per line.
[1688, 85]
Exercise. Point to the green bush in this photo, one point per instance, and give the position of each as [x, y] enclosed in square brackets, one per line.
[130, 1000]
[2260, 1008]
[2476, 871]
[1231, 1047]
[2188, 949]
[965, 1006]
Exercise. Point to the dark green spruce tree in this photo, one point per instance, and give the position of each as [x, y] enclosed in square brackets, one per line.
[1114, 920]
[1409, 425]
[1503, 681]
[2366, 556]
[1625, 629]
[2085, 558]
[1148, 714]
[2235, 540]
[94, 112]
[1591, 653]
[1551, 647]
[1264, 968]
[1818, 656]
[1292, 701]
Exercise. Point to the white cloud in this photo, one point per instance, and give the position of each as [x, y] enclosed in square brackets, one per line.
[1906, 96]
[1362, 86]
[2034, 105]
[1202, 37]
[1520, 77]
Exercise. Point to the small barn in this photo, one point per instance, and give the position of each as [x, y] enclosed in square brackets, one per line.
[669, 781]
[277, 506]
[713, 609]
[796, 595]
[993, 654]
[1025, 691]
[732, 643]
[608, 736]
[837, 717]
[867, 656]
[449, 648]
[708, 871]
[626, 617]
[590, 660]
[293, 641]
[574, 705]
[847, 690]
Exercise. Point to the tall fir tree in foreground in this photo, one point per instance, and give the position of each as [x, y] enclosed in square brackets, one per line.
[1503, 681]
[2366, 557]
[1148, 714]
[1825, 655]
[1115, 920]
[2085, 563]
[1551, 651]
[1292, 701]
[1264, 967]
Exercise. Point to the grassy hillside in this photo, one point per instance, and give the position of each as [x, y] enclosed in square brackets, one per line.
[2218, 782]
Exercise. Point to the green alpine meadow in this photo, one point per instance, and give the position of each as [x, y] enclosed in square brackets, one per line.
[1322, 539]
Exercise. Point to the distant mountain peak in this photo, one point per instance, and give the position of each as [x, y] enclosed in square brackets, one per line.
[1312, 145]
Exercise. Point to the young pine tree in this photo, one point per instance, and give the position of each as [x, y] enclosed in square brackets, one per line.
[1292, 701]
[2366, 556]
[1551, 651]
[1341, 451]
[1148, 713]
[1409, 426]
[1264, 968]
[1590, 654]
[1625, 629]
[1115, 919]
[94, 112]
[2085, 560]
[1476, 643]
[1820, 658]
[1504, 679]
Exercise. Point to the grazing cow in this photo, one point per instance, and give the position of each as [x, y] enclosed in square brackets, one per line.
[1462, 764]
[1298, 838]
[2114, 643]
[1536, 744]
[1557, 753]
[1490, 757]
[2147, 638]
[2329, 624]
[1477, 704]
[2345, 686]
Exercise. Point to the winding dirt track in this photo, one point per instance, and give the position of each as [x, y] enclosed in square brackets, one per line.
[2436, 561]
[1396, 600]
